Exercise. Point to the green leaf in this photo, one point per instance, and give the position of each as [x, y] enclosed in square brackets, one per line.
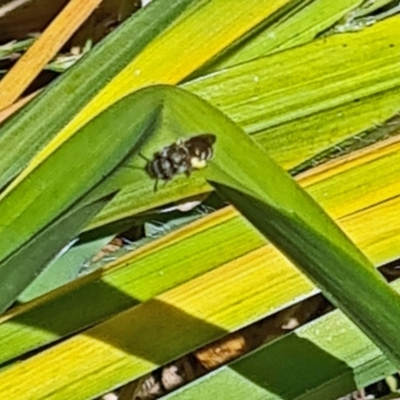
[279, 208]
[64, 268]
[117, 352]
[30, 207]
[22, 267]
[43, 195]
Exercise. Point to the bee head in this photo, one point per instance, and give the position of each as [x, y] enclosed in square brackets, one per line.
[149, 168]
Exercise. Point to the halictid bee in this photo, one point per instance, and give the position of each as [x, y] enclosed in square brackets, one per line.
[181, 157]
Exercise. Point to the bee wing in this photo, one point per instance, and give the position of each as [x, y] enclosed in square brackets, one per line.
[208, 138]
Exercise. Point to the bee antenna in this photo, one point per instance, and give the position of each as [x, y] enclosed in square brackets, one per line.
[133, 167]
[144, 157]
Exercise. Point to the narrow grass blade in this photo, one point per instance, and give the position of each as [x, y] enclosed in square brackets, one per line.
[324, 359]
[295, 26]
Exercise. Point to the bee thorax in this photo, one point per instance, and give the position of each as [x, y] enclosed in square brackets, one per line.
[161, 168]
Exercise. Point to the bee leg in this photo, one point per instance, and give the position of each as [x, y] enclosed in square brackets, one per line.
[156, 185]
[188, 172]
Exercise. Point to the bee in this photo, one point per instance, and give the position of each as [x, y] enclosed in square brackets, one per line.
[181, 157]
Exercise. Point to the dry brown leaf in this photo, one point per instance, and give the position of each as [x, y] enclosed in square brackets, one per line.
[44, 49]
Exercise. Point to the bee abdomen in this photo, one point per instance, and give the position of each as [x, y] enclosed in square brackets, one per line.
[204, 154]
